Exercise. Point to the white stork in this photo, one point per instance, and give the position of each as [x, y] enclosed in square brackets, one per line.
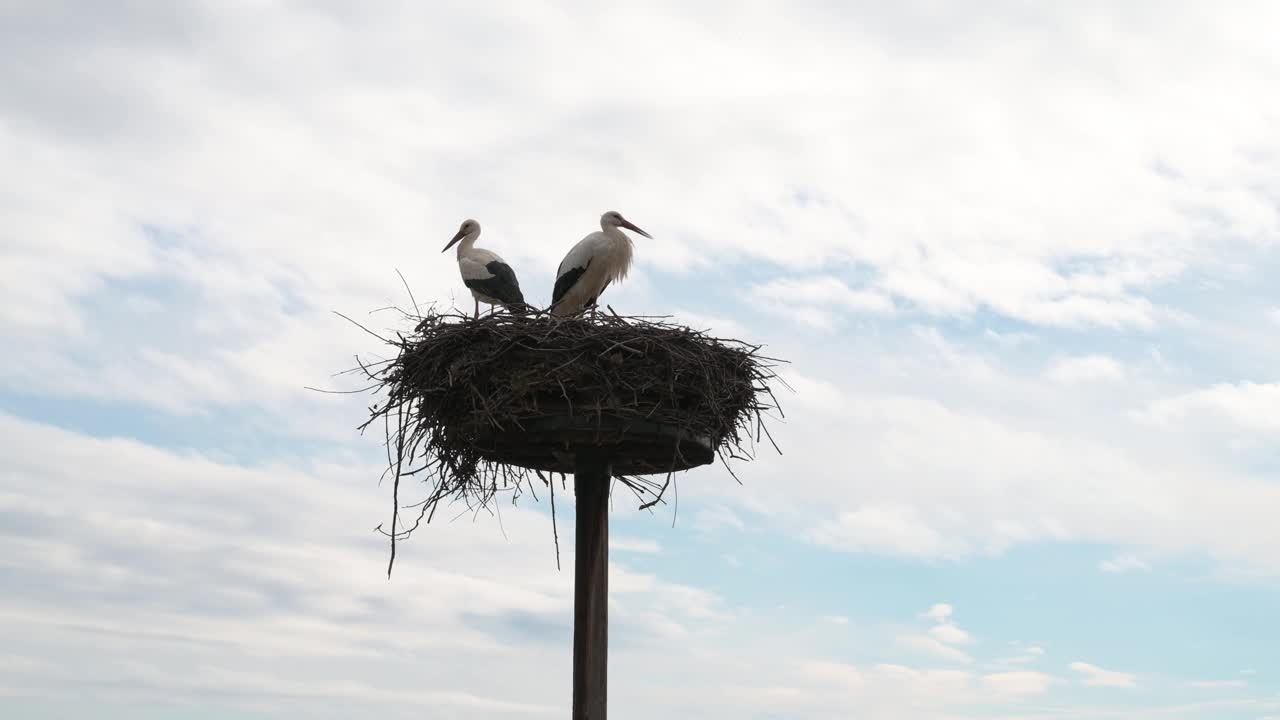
[597, 260]
[489, 277]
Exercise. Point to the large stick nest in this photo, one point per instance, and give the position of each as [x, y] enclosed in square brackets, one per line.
[482, 407]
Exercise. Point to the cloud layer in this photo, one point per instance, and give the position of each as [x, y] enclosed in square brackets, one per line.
[1022, 263]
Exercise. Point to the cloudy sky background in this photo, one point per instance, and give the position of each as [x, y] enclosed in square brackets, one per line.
[1022, 260]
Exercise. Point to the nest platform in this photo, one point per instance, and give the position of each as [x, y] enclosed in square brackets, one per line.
[481, 406]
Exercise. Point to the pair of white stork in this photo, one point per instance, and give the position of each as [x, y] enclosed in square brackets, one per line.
[596, 261]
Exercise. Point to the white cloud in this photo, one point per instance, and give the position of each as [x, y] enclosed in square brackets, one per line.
[891, 528]
[1123, 563]
[1086, 368]
[931, 646]
[836, 619]
[1247, 406]
[818, 298]
[882, 691]
[936, 473]
[1217, 684]
[1018, 682]
[834, 673]
[1096, 676]
[945, 630]
[940, 612]
[941, 637]
[950, 634]
[811, 393]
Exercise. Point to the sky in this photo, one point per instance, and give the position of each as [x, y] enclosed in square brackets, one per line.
[1021, 258]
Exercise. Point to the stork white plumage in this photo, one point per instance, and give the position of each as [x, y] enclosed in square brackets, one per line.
[598, 259]
[489, 278]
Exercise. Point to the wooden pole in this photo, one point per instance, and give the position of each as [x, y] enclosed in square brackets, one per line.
[591, 479]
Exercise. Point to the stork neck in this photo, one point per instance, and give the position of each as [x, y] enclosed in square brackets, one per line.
[615, 233]
[467, 243]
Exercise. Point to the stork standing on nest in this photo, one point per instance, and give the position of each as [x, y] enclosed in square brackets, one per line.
[597, 260]
[490, 279]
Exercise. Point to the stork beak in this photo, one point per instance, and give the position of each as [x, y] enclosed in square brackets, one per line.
[461, 234]
[627, 224]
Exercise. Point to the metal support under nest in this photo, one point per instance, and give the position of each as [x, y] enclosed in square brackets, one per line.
[591, 480]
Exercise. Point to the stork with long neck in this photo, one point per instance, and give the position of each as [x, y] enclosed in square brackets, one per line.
[597, 260]
[489, 278]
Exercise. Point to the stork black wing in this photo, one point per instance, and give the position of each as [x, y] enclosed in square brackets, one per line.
[502, 286]
[566, 281]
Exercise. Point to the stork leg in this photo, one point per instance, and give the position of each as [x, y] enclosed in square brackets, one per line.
[477, 315]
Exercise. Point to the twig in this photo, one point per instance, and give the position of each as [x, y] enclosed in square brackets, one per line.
[406, 289]
[554, 533]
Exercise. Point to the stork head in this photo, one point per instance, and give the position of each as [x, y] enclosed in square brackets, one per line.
[613, 219]
[468, 227]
